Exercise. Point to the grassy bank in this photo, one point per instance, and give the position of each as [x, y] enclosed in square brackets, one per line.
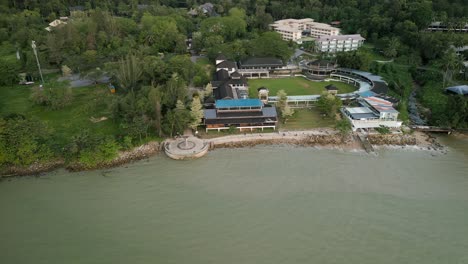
[87, 103]
[295, 86]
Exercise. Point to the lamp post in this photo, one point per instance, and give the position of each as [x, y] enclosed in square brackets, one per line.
[33, 45]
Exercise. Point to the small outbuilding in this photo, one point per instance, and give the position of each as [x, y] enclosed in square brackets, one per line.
[332, 89]
[459, 89]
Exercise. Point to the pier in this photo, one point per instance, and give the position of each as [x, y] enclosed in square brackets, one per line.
[432, 129]
[365, 143]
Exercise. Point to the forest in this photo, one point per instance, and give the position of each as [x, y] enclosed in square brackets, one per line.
[142, 47]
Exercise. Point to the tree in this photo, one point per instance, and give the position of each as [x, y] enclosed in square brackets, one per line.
[208, 90]
[450, 63]
[174, 90]
[196, 113]
[343, 126]
[9, 68]
[282, 99]
[24, 141]
[129, 72]
[155, 97]
[286, 113]
[270, 44]
[329, 104]
[391, 49]
[285, 109]
[176, 120]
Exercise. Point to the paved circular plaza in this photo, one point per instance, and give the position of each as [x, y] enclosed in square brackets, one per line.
[186, 147]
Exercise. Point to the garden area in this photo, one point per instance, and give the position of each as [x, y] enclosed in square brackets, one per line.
[295, 86]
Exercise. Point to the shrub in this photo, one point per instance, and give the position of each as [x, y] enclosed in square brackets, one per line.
[383, 130]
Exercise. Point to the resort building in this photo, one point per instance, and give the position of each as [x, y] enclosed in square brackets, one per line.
[259, 67]
[444, 27]
[240, 113]
[332, 44]
[319, 68]
[293, 29]
[227, 82]
[374, 112]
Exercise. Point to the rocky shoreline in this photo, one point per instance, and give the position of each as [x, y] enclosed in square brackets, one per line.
[328, 138]
[124, 157]
[324, 138]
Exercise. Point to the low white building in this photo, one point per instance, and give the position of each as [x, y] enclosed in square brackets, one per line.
[332, 44]
[374, 112]
[56, 23]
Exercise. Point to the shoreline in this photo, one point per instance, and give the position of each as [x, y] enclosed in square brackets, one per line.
[321, 138]
[330, 139]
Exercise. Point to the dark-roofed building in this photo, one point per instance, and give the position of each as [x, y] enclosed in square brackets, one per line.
[240, 113]
[331, 89]
[259, 67]
[227, 82]
[220, 58]
[268, 63]
[229, 66]
[206, 9]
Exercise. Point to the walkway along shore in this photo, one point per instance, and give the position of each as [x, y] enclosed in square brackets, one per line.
[327, 138]
[323, 137]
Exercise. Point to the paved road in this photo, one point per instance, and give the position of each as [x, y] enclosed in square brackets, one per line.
[76, 81]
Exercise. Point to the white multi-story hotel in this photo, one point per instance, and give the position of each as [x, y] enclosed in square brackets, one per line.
[332, 44]
[291, 29]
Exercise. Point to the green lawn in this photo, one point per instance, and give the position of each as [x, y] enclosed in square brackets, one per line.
[307, 119]
[87, 102]
[295, 86]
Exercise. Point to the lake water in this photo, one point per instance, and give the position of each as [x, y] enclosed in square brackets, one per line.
[255, 205]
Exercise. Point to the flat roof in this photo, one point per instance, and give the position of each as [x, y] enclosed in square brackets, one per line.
[459, 89]
[261, 61]
[380, 104]
[238, 103]
[340, 37]
[358, 110]
[359, 113]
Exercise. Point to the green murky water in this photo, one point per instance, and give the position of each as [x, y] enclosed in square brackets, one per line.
[260, 205]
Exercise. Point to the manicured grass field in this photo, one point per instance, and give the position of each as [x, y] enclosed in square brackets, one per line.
[87, 102]
[295, 86]
[307, 119]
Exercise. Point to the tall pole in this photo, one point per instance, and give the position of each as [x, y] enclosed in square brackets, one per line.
[33, 45]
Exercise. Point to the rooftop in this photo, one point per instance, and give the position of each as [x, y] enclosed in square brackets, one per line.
[226, 64]
[380, 104]
[358, 113]
[340, 37]
[459, 89]
[238, 103]
[331, 87]
[221, 57]
[267, 61]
